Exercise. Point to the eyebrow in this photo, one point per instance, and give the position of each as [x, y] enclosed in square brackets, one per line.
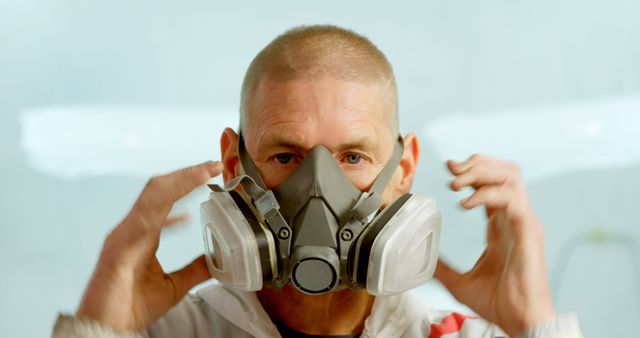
[279, 141]
[364, 143]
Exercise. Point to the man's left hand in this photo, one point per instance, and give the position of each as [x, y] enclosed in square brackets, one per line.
[508, 284]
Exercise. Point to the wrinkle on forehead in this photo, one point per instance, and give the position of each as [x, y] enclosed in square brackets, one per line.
[365, 137]
[335, 113]
[306, 100]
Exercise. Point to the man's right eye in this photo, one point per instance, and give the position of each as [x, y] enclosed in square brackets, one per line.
[284, 158]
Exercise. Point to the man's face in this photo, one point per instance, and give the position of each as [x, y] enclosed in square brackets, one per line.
[351, 119]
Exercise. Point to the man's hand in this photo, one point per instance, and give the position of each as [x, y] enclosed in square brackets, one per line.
[129, 289]
[508, 284]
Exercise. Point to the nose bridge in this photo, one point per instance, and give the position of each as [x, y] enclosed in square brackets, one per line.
[319, 161]
[329, 181]
[318, 176]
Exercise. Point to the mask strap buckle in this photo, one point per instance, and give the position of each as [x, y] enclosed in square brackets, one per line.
[268, 208]
[371, 201]
[367, 204]
[361, 214]
[365, 210]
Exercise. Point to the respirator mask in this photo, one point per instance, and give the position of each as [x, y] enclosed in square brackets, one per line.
[318, 231]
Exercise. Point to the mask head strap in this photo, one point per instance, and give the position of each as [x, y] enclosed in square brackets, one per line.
[371, 201]
[247, 164]
[385, 175]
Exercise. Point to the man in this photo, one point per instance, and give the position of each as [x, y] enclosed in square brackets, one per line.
[321, 85]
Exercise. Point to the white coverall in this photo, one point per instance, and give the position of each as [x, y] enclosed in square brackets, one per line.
[221, 312]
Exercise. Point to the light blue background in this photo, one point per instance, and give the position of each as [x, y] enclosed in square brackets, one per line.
[468, 58]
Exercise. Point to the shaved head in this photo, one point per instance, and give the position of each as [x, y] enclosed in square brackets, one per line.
[313, 52]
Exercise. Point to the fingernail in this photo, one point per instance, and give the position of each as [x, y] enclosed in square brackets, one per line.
[214, 165]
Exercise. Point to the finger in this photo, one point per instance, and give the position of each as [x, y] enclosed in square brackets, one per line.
[458, 168]
[492, 196]
[161, 192]
[173, 220]
[480, 175]
[173, 186]
[447, 275]
[186, 278]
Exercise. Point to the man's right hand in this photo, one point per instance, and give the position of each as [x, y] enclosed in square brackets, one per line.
[129, 289]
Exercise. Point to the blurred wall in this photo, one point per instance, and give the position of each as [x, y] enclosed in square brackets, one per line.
[450, 57]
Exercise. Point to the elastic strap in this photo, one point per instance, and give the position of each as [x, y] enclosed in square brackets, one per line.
[247, 164]
[383, 178]
[372, 201]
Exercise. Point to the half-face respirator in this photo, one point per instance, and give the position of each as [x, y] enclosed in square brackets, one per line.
[318, 231]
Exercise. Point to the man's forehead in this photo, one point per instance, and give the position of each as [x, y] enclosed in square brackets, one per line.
[336, 141]
[305, 99]
[300, 114]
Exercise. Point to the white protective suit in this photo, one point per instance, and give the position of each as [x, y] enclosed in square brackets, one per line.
[221, 312]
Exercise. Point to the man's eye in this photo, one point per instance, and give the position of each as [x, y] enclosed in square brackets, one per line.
[354, 158]
[284, 158]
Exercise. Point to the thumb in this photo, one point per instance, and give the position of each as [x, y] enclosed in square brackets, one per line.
[189, 276]
[447, 276]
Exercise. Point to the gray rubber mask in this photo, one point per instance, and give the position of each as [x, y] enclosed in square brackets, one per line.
[325, 212]
[317, 231]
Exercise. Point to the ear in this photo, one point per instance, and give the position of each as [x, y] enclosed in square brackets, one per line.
[408, 162]
[229, 151]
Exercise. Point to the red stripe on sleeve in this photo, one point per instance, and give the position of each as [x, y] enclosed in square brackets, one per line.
[449, 324]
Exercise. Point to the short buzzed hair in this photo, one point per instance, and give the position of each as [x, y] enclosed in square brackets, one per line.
[318, 51]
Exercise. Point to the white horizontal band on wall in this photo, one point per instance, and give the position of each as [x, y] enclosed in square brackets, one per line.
[548, 140]
[74, 141]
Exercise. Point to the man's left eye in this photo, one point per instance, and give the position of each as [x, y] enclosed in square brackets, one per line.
[283, 158]
[353, 158]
